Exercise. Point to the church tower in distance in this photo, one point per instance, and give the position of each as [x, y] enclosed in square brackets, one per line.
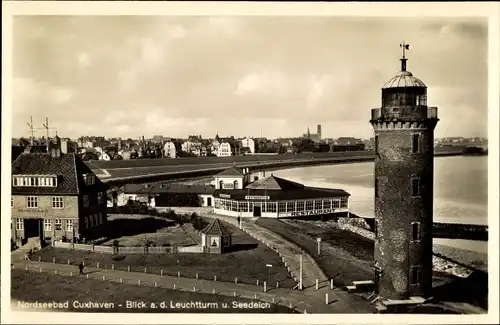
[404, 165]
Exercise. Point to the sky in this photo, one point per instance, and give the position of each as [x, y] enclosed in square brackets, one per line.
[129, 76]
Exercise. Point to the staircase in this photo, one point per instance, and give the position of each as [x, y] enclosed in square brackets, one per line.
[361, 286]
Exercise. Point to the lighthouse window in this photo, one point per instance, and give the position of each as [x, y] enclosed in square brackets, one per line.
[415, 142]
[415, 187]
[415, 231]
[415, 275]
[376, 186]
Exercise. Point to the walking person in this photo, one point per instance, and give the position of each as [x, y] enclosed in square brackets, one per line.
[81, 266]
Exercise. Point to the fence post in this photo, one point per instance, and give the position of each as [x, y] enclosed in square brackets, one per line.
[121, 280]
[112, 266]
[255, 296]
[236, 280]
[234, 293]
[145, 270]
[26, 267]
[213, 291]
[265, 286]
[197, 275]
[174, 286]
[39, 258]
[53, 259]
[194, 289]
[70, 273]
[97, 264]
[93, 247]
[104, 277]
[317, 284]
[161, 272]
[277, 284]
[55, 271]
[139, 282]
[156, 284]
[128, 268]
[257, 281]
[290, 306]
[178, 274]
[68, 262]
[215, 277]
[40, 270]
[87, 275]
[326, 298]
[331, 284]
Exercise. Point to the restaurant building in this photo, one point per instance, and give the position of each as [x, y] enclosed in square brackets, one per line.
[239, 195]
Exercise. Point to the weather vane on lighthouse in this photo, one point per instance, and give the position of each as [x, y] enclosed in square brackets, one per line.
[405, 47]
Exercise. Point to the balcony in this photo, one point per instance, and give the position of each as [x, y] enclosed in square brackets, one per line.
[404, 113]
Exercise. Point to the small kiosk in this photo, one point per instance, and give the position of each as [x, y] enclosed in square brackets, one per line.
[215, 238]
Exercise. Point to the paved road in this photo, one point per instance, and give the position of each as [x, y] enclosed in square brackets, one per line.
[309, 301]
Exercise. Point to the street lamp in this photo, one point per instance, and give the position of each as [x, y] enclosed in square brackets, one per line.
[269, 266]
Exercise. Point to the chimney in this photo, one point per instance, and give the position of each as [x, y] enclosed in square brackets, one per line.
[55, 147]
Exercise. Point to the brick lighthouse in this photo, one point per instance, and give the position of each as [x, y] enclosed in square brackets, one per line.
[404, 164]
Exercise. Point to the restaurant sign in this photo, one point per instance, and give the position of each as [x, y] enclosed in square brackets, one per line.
[311, 212]
[225, 196]
[257, 197]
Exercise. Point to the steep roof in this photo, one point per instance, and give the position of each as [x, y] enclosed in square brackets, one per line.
[274, 183]
[68, 168]
[233, 171]
[216, 228]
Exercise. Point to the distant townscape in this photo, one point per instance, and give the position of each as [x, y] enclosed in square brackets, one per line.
[159, 146]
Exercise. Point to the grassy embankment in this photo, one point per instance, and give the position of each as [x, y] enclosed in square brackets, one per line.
[53, 288]
[245, 252]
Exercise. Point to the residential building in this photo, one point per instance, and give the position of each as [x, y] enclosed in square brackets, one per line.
[56, 196]
[225, 150]
[248, 143]
[170, 150]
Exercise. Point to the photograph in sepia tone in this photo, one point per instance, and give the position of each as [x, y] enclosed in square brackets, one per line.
[239, 164]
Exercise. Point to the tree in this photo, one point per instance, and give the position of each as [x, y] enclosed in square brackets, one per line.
[282, 150]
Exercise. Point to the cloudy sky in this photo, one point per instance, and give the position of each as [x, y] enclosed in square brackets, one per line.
[143, 75]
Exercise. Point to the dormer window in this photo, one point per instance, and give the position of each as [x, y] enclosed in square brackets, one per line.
[89, 179]
[34, 181]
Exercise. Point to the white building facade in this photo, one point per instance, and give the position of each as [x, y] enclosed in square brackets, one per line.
[249, 143]
[225, 150]
[169, 150]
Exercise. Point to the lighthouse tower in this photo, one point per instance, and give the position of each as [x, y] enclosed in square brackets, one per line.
[404, 164]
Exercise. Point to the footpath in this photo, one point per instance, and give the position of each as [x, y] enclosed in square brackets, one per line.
[303, 301]
[290, 253]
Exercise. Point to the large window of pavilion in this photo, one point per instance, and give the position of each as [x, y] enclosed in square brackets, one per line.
[282, 206]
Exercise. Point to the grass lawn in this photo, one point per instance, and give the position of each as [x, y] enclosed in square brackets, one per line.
[347, 259]
[135, 230]
[247, 262]
[53, 288]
